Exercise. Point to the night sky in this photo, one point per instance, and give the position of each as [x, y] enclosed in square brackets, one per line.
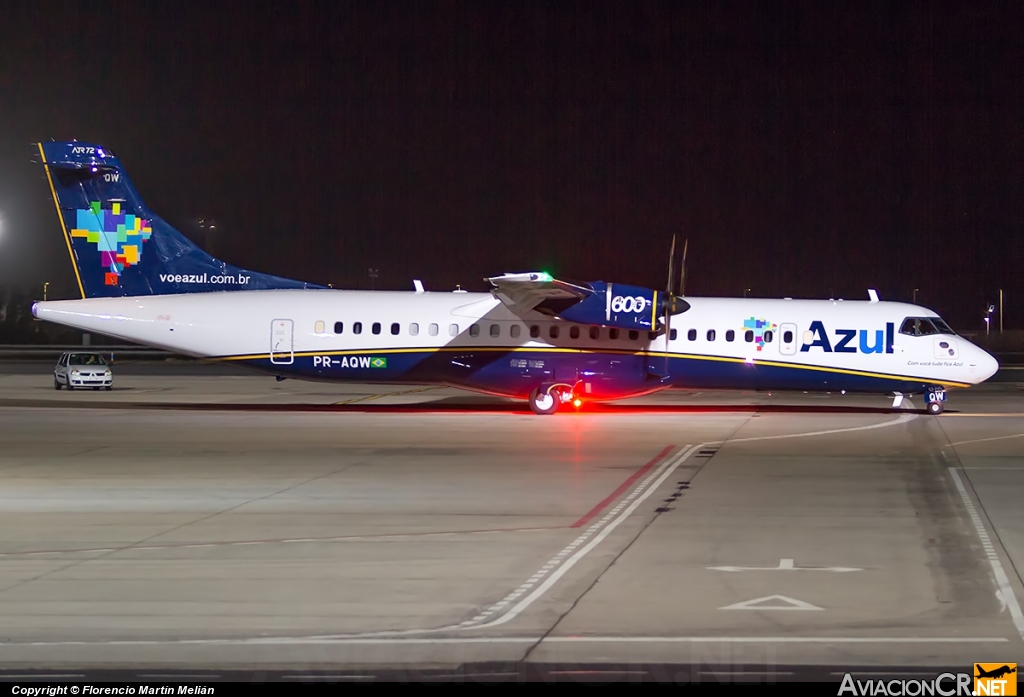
[804, 149]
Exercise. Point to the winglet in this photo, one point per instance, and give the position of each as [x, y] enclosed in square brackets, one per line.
[418, 285]
[873, 295]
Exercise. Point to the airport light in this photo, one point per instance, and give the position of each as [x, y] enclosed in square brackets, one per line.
[46, 286]
[988, 318]
[915, 296]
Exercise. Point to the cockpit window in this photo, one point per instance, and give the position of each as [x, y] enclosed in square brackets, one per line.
[924, 326]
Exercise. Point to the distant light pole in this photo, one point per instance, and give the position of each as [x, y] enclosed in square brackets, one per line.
[373, 278]
[745, 291]
[208, 226]
[988, 318]
[1000, 310]
[46, 285]
[915, 296]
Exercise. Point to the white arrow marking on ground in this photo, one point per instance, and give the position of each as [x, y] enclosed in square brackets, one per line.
[781, 603]
[784, 565]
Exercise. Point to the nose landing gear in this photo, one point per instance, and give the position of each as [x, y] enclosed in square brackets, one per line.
[935, 399]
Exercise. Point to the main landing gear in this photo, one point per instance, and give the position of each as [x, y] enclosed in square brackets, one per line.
[545, 401]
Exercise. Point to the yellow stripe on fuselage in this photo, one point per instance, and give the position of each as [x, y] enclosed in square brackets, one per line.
[657, 354]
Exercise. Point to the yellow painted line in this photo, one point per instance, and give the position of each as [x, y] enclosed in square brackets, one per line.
[60, 217]
[387, 394]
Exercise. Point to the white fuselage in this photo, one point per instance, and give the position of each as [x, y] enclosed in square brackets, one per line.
[318, 328]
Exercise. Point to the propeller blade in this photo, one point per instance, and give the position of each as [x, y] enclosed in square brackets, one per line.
[682, 269]
[671, 266]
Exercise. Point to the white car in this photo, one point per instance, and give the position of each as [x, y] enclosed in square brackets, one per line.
[75, 369]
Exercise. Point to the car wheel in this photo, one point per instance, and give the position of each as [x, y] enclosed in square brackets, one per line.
[109, 387]
[56, 383]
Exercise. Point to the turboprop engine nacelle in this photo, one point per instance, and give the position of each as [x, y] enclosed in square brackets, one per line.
[624, 307]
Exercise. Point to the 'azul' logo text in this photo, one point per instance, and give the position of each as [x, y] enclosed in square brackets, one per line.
[849, 340]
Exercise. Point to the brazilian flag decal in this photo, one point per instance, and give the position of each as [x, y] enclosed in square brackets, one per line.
[378, 362]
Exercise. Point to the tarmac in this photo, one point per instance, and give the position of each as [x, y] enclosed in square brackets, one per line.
[204, 519]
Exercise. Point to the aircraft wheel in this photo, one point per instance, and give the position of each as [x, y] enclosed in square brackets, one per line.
[935, 408]
[543, 402]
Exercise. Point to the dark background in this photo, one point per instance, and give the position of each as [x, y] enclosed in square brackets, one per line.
[804, 149]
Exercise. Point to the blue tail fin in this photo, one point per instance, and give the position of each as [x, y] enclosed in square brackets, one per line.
[120, 248]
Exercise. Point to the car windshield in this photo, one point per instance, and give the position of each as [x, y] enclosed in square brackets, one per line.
[86, 359]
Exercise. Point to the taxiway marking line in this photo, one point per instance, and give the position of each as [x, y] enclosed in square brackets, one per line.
[622, 488]
[411, 641]
[884, 424]
[985, 440]
[285, 540]
[608, 523]
[367, 398]
[1015, 414]
[1006, 594]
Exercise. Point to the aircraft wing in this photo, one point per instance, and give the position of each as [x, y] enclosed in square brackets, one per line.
[537, 291]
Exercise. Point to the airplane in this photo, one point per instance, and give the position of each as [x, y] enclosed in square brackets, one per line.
[554, 342]
[996, 673]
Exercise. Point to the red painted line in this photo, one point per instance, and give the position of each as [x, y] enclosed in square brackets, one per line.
[622, 488]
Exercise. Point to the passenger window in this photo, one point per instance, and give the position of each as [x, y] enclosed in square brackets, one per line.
[553, 332]
[414, 329]
[574, 332]
[375, 328]
[691, 335]
[787, 337]
[453, 330]
[768, 336]
[357, 328]
[613, 334]
[748, 336]
[474, 330]
[711, 335]
[534, 331]
[675, 333]
[339, 327]
[395, 329]
[730, 335]
[633, 335]
[432, 330]
[514, 331]
[319, 326]
[595, 333]
[495, 330]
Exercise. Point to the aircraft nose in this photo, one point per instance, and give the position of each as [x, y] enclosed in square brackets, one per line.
[986, 364]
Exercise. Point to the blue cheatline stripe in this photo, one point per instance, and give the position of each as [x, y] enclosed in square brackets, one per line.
[614, 352]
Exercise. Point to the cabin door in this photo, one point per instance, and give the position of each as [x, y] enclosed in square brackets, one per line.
[282, 332]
